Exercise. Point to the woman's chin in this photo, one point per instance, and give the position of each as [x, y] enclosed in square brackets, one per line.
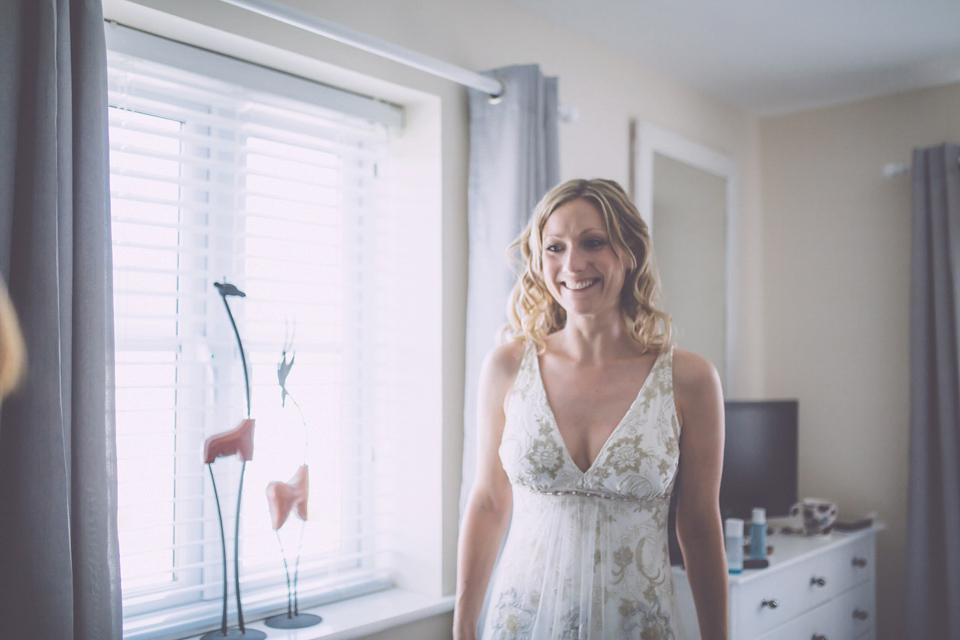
[591, 310]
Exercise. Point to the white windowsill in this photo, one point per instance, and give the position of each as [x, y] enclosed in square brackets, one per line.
[361, 616]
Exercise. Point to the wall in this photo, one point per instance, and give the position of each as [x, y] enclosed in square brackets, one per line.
[689, 227]
[836, 256]
[609, 91]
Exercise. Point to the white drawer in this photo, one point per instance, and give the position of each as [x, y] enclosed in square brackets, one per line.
[859, 610]
[822, 621]
[801, 587]
[859, 560]
[833, 620]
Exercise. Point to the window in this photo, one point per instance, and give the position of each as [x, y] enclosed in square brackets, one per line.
[241, 179]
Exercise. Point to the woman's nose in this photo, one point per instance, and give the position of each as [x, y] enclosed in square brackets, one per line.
[574, 260]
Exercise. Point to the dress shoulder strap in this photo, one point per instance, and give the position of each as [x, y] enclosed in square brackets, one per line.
[668, 369]
[527, 371]
[659, 383]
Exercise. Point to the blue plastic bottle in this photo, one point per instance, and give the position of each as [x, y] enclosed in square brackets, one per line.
[733, 541]
[758, 533]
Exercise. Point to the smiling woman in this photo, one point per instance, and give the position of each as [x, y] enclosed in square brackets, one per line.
[584, 419]
[582, 270]
[533, 309]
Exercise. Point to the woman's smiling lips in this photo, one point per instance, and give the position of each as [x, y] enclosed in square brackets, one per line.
[579, 285]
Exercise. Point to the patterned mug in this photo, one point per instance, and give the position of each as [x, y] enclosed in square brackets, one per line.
[818, 515]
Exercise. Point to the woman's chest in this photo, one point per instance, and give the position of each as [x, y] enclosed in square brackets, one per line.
[588, 403]
[628, 439]
[637, 460]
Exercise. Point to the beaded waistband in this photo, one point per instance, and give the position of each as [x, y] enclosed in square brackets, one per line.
[585, 493]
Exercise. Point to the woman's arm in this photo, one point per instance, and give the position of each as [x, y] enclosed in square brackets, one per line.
[699, 400]
[488, 508]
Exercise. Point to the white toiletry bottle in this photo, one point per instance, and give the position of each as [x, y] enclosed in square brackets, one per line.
[758, 533]
[733, 540]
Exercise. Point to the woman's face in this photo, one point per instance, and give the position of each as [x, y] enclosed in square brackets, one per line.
[582, 270]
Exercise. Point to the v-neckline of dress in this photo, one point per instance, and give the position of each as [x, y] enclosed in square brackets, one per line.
[556, 426]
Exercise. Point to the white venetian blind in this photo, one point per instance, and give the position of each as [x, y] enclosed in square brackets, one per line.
[214, 180]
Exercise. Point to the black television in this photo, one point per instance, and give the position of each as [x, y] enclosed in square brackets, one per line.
[759, 458]
[759, 462]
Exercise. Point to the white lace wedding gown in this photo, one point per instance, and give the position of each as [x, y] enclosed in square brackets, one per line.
[586, 556]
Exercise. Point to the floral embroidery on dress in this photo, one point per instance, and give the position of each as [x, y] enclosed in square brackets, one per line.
[650, 623]
[586, 556]
[513, 617]
[627, 454]
[545, 457]
[622, 558]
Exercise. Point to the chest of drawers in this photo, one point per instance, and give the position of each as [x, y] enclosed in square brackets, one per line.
[816, 588]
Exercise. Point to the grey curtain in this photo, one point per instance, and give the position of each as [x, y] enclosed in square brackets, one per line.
[59, 561]
[933, 552]
[514, 161]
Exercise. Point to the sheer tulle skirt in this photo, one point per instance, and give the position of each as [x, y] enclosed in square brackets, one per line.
[584, 567]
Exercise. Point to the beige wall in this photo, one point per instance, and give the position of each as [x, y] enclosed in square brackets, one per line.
[690, 232]
[836, 255]
[435, 628]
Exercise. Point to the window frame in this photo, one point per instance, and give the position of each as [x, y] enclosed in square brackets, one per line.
[138, 610]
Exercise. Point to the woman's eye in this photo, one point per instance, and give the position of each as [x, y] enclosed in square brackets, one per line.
[553, 248]
[594, 243]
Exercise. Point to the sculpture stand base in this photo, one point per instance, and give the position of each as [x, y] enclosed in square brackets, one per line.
[299, 621]
[235, 634]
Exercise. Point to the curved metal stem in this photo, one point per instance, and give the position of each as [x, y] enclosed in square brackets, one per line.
[243, 357]
[296, 570]
[303, 421]
[286, 569]
[223, 544]
[236, 547]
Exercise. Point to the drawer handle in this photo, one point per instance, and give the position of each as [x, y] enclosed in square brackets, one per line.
[860, 614]
[819, 636]
[773, 603]
[859, 562]
[820, 582]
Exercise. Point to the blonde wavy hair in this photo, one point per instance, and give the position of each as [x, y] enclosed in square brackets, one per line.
[12, 358]
[534, 314]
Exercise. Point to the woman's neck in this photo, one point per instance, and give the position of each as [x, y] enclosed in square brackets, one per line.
[591, 339]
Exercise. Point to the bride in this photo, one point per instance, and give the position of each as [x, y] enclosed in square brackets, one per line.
[588, 420]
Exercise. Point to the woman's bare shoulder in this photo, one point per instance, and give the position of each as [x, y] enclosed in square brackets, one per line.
[696, 385]
[503, 362]
[499, 371]
[693, 372]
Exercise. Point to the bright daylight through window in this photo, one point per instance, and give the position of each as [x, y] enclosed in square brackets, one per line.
[214, 181]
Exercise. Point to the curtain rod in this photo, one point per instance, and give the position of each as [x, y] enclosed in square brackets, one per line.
[314, 24]
[894, 169]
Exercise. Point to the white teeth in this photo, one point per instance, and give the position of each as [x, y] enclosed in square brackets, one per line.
[579, 285]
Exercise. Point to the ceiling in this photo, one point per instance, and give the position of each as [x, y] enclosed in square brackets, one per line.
[776, 56]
